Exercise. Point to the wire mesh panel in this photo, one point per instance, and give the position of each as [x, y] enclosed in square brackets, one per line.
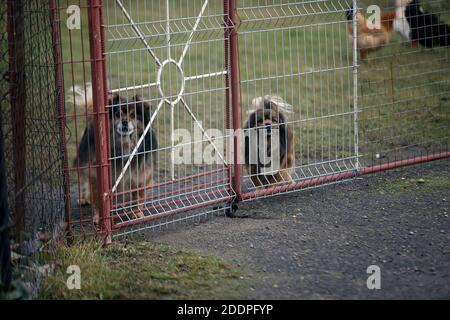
[404, 86]
[30, 121]
[73, 24]
[168, 110]
[33, 148]
[297, 76]
[4, 95]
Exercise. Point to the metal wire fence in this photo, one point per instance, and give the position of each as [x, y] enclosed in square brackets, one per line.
[298, 51]
[32, 135]
[404, 88]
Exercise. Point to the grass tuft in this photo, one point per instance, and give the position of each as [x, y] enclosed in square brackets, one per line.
[141, 271]
[425, 184]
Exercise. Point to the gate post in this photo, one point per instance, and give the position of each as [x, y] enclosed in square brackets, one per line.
[232, 59]
[16, 52]
[5, 247]
[101, 118]
[59, 94]
[355, 82]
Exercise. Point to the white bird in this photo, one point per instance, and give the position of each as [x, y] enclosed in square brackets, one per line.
[401, 25]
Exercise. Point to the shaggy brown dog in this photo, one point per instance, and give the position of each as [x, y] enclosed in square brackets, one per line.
[128, 120]
[265, 127]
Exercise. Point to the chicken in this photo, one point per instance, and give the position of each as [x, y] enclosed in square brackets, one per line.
[370, 38]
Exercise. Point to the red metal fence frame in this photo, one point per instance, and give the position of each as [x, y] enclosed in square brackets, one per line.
[16, 54]
[236, 121]
[100, 112]
[59, 79]
[235, 103]
[342, 176]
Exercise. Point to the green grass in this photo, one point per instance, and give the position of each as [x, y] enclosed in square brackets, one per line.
[428, 183]
[141, 271]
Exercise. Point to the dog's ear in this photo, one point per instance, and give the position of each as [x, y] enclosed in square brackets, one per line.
[113, 99]
[349, 14]
[253, 119]
[143, 108]
[113, 102]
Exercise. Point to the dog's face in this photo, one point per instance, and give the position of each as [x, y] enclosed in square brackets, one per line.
[128, 117]
[268, 142]
[265, 121]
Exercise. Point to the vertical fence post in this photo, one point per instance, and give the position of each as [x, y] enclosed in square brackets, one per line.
[59, 85]
[16, 52]
[355, 81]
[5, 249]
[101, 128]
[228, 116]
[235, 107]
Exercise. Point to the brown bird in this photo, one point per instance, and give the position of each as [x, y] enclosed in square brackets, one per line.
[370, 39]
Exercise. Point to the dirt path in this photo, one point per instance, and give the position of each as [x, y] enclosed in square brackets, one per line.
[319, 243]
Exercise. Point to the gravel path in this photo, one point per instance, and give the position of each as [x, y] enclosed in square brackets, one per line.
[318, 244]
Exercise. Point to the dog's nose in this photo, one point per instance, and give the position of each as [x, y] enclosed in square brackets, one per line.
[125, 123]
[268, 129]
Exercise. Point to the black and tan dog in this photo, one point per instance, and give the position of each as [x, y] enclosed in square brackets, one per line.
[266, 163]
[426, 28]
[128, 120]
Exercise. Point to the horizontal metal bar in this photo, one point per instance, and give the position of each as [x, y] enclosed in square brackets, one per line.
[299, 185]
[169, 201]
[164, 196]
[172, 212]
[214, 74]
[342, 176]
[155, 84]
[404, 163]
[166, 183]
[140, 86]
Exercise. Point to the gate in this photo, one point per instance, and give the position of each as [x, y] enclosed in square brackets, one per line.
[152, 56]
[297, 51]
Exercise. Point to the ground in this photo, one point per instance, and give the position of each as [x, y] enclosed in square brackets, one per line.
[318, 244]
[313, 244]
